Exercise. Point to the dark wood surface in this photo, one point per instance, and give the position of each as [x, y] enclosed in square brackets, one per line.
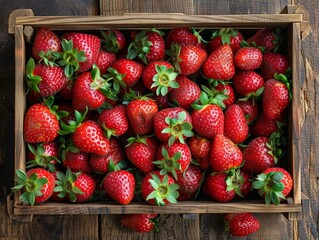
[208, 226]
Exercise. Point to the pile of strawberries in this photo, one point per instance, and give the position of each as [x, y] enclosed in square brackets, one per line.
[156, 117]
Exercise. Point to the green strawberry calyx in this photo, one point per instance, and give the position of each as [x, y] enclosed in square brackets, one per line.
[66, 145]
[73, 124]
[270, 187]
[275, 141]
[70, 58]
[164, 79]
[117, 79]
[65, 185]
[169, 164]
[178, 128]
[234, 181]
[110, 42]
[253, 95]
[162, 190]
[225, 34]
[48, 102]
[32, 80]
[49, 57]
[41, 159]
[173, 54]
[138, 139]
[31, 186]
[140, 47]
[197, 34]
[210, 96]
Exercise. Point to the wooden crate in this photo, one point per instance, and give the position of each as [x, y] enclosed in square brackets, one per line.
[293, 20]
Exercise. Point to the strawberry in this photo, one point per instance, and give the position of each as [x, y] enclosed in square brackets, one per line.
[273, 63]
[139, 222]
[114, 121]
[248, 58]
[276, 96]
[245, 183]
[224, 154]
[120, 185]
[43, 79]
[241, 224]
[162, 101]
[159, 77]
[77, 162]
[183, 36]
[219, 65]
[66, 92]
[148, 46]
[171, 124]
[187, 59]
[141, 152]
[215, 186]
[125, 73]
[41, 122]
[229, 36]
[88, 90]
[274, 184]
[235, 125]
[248, 84]
[190, 180]
[250, 109]
[173, 159]
[113, 40]
[207, 117]
[140, 113]
[186, 94]
[261, 153]
[43, 155]
[264, 127]
[105, 60]
[200, 149]
[89, 47]
[227, 90]
[100, 163]
[45, 43]
[158, 189]
[78, 187]
[267, 38]
[37, 185]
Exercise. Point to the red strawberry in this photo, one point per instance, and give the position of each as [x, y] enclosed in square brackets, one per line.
[235, 125]
[88, 90]
[241, 224]
[78, 187]
[120, 185]
[43, 155]
[105, 60]
[276, 96]
[228, 91]
[219, 64]
[208, 118]
[141, 152]
[250, 109]
[139, 222]
[248, 83]
[113, 40]
[158, 189]
[190, 180]
[125, 73]
[114, 121]
[159, 77]
[140, 113]
[186, 94]
[274, 184]
[200, 149]
[87, 43]
[183, 36]
[260, 154]
[162, 101]
[187, 59]
[148, 46]
[77, 162]
[267, 38]
[100, 163]
[216, 188]
[229, 36]
[37, 185]
[248, 58]
[173, 159]
[224, 154]
[45, 80]
[264, 127]
[171, 124]
[245, 184]
[40, 124]
[273, 63]
[45, 42]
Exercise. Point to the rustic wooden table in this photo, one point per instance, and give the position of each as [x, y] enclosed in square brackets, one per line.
[207, 226]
